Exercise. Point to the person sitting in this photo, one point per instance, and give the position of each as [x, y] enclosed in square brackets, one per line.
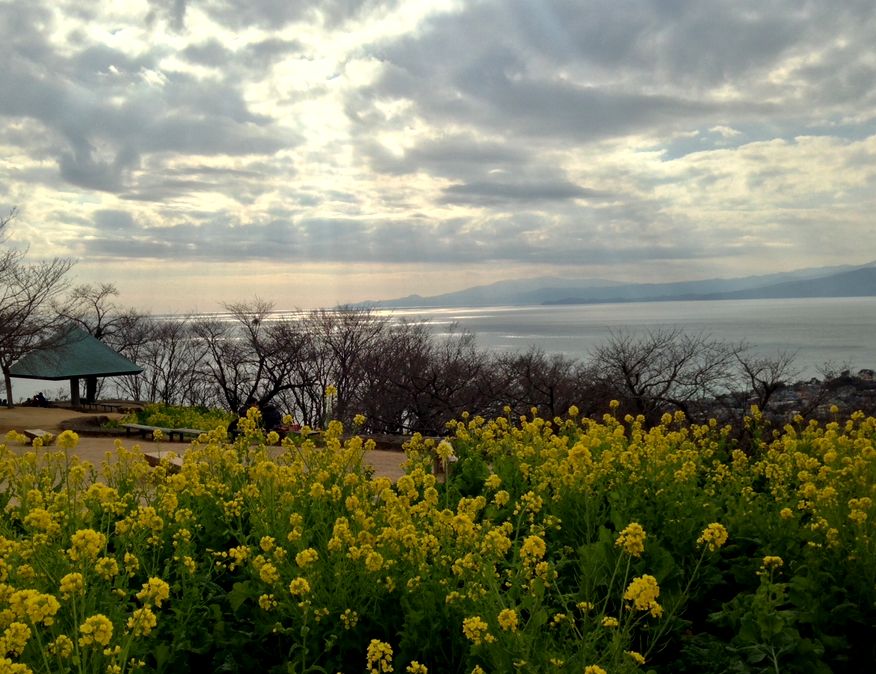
[272, 419]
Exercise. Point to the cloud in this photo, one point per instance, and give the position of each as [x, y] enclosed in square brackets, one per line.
[508, 133]
[483, 193]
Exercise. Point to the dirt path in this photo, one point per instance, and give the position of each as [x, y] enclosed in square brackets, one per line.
[95, 449]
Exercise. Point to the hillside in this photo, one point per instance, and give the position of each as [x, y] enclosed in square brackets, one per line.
[853, 281]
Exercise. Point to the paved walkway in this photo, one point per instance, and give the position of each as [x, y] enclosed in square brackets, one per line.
[94, 449]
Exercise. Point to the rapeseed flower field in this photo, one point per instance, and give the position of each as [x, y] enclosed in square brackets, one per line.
[542, 545]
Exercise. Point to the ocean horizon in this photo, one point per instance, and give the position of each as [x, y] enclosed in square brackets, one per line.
[839, 332]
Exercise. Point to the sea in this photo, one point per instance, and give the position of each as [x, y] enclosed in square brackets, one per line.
[836, 332]
[839, 333]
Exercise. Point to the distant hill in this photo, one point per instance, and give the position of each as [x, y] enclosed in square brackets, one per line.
[858, 282]
[843, 281]
[514, 292]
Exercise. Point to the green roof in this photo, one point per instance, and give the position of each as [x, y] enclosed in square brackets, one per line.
[74, 353]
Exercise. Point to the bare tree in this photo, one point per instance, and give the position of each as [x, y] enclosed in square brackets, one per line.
[761, 376]
[250, 358]
[663, 370]
[534, 379]
[93, 309]
[437, 378]
[26, 293]
[343, 338]
[171, 359]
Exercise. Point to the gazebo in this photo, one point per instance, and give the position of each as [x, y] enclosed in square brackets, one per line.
[74, 355]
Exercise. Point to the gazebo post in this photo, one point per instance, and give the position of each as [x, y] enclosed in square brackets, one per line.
[90, 389]
[74, 392]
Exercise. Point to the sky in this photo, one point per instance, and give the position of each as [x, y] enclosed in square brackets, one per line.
[200, 152]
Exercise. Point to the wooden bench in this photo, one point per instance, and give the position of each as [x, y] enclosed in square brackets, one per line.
[173, 461]
[145, 430]
[184, 433]
[34, 433]
[169, 433]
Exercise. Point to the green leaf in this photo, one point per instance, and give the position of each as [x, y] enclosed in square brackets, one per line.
[240, 592]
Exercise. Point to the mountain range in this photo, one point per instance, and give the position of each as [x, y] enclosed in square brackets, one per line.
[842, 281]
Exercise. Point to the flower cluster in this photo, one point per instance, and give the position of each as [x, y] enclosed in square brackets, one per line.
[632, 539]
[531, 554]
[713, 536]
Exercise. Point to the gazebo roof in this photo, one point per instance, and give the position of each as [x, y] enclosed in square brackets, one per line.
[73, 354]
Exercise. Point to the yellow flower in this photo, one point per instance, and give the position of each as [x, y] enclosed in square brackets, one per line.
[67, 440]
[772, 562]
[501, 498]
[359, 420]
[86, 544]
[132, 564]
[643, 592]
[62, 646]
[533, 548]
[594, 669]
[637, 657]
[374, 561]
[154, 591]
[508, 619]
[610, 622]
[416, 668]
[632, 539]
[15, 638]
[299, 587]
[42, 519]
[349, 619]
[72, 584]
[493, 482]
[107, 568]
[379, 657]
[714, 536]
[189, 564]
[306, 557]
[34, 606]
[267, 602]
[142, 621]
[269, 574]
[444, 450]
[331, 391]
[476, 630]
[96, 629]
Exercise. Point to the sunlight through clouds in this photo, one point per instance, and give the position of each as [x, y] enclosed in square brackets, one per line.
[353, 139]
